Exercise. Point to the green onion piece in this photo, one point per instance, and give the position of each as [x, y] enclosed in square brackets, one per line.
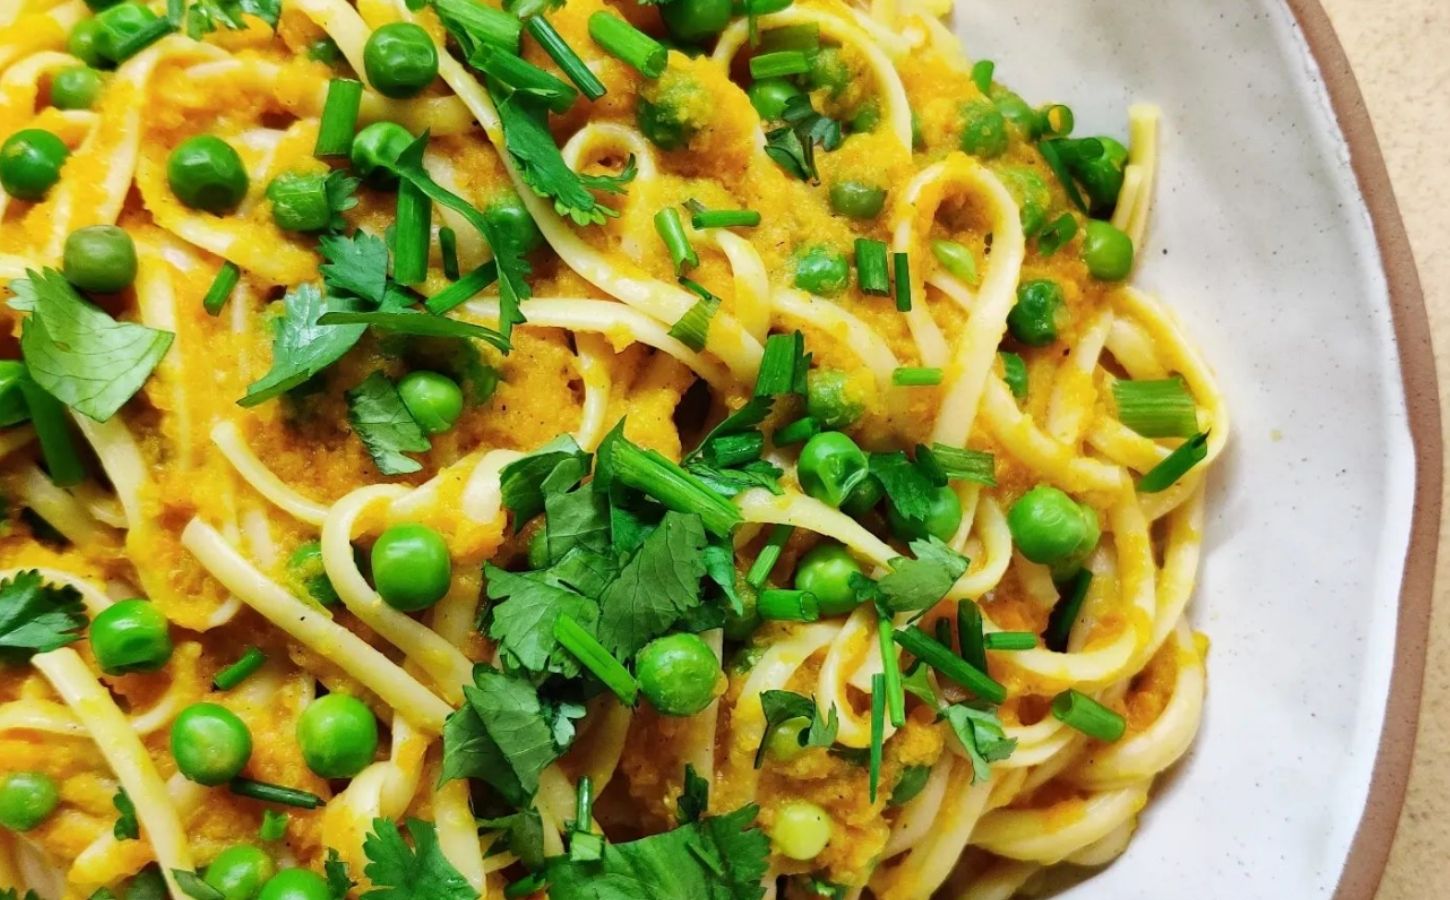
[1156, 409]
[129, 45]
[962, 464]
[693, 328]
[1065, 613]
[273, 793]
[783, 366]
[47, 415]
[240, 670]
[1082, 713]
[672, 231]
[1014, 372]
[462, 290]
[524, 77]
[475, 24]
[982, 71]
[947, 663]
[916, 376]
[725, 451]
[411, 234]
[176, 13]
[648, 471]
[786, 605]
[1175, 465]
[891, 670]
[700, 217]
[769, 555]
[558, 50]
[448, 247]
[591, 655]
[969, 631]
[525, 886]
[1011, 640]
[583, 803]
[901, 271]
[339, 118]
[878, 728]
[805, 38]
[956, 259]
[797, 432]
[871, 267]
[221, 288]
[274, 825]
[628, 44]
[1056, 119]
[779, 64]
[1051, 151]
[1062, 230]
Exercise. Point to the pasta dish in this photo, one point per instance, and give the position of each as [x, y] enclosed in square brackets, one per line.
[580, 450]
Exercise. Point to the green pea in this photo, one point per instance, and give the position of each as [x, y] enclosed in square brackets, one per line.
[295, 884]
[401, 60]
[1035, 318]
[1051, 528]
[207, 174]
[678, 674]
[325, 50]
[826, 571]
[411, 566]
[822, 271]
[783, 744]
[770, 95]
[299, 201]
[239, 872]
[375, 152]
[865, 118]
[1017, 112]
[857, 200]
[510, 219]
[1107, 251]
[75, 88]
[829, 71]
[27, 799]
[739, 626]
[118, 24]
[864, 497]
[309, 576]
[801, 830]
[83, 43]
[30, 163]
[210, 744]
[100, 259]
[130, 636]
[435, 401]
[984, 130]
[829, 400]
[1102, 176]
[338, 735]
[830, 464]
[693, 21]
[942, 518]
[1014, 372]
[1030, 191]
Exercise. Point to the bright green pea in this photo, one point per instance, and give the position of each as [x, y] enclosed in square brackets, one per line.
[510, 219]
[984, 130]
[299, 201]
[411, 566]
[309, 576]
[801, 830]
[82, 43]
[829, 71]
[865, 118]
[75, 88]
[1107, 251]
[864, 497]
[338, 735]
[1051, 528]
[678, 674]
[118, 24]
[784, 741]
[770, 95]
[100, 259]
[1030, 191]
[1016, 111]
[822, 271]
[1034, 319]
[375, 152]
[435, 401]
[210, 744]
[1102, 176]
[942, 518]
[130, 636]
[239, 872]
[296, 884]
[207, 174]
[27, 799]
[830, 465]
[857, 200]
[826, 571]
[956, 259]
[693, 21]
[663, 119]
[30, 163]
[829, 400]
[401, 60]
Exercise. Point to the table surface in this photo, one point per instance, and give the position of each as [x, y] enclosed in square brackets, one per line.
[1400, 50]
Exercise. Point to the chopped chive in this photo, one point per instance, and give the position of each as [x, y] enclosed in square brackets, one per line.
[1014, 372]
[982, 72]
[805, 37]
[476, 24]
[1082, 713]
[779, 63]
[783, 366]
[525, 78]
[1064, 614]
[648, 471]
[878, 728]
[769, 555]
[128, 45]
[221, 288]
[1156, 409]
[1051, 151]
[1057, 120]
[700, 217]
[963, 464]
[1175, 465]
[273, 793]
[240, 670]
[591, 655]
[1051, 238]
[411, 234]
[782, 604]
[956, 259]
[47, 416]
[693, 328]
[916, 376]
[339, 118]
[891, 669]
[560, 51]
[1011, 640]
[628, 44]
[448, 247]
[525, 886]
[969, 634]
[871, 267]
[901, 271]
[726, 451]
[797, 432]
[672, 232]
[462, 290]
[583, 803]
[948, 664]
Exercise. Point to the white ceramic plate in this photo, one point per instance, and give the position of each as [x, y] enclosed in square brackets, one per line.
[1264, 243]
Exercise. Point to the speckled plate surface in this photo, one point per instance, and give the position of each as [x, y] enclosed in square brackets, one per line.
[1276, 240]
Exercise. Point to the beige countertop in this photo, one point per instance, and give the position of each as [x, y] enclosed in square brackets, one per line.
[1400, 50]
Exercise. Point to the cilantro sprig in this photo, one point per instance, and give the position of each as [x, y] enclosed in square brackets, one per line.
[36, 617]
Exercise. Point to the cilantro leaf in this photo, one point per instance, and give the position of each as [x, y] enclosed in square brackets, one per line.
[914, 584]
[376, 412]
[192, 886]
[338, 880]
[502, 736]
[416, 323]
[694, 798]
[76, 352]
[523, 833]
[531, 145]
[355, 265]
[13, 894]
[523, 625]
[521, 482]
[782, 706]
[981, 735]
[420, 872]
[302, 347]
[341, 195]
[730, 482]
[906, 484]
[126, 827]
[660, 583]
[36, 617]
[793, 145]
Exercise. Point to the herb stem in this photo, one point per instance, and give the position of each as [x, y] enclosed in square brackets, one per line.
[560, 51]
[628, 44]
[339, 118]
[594, 657]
